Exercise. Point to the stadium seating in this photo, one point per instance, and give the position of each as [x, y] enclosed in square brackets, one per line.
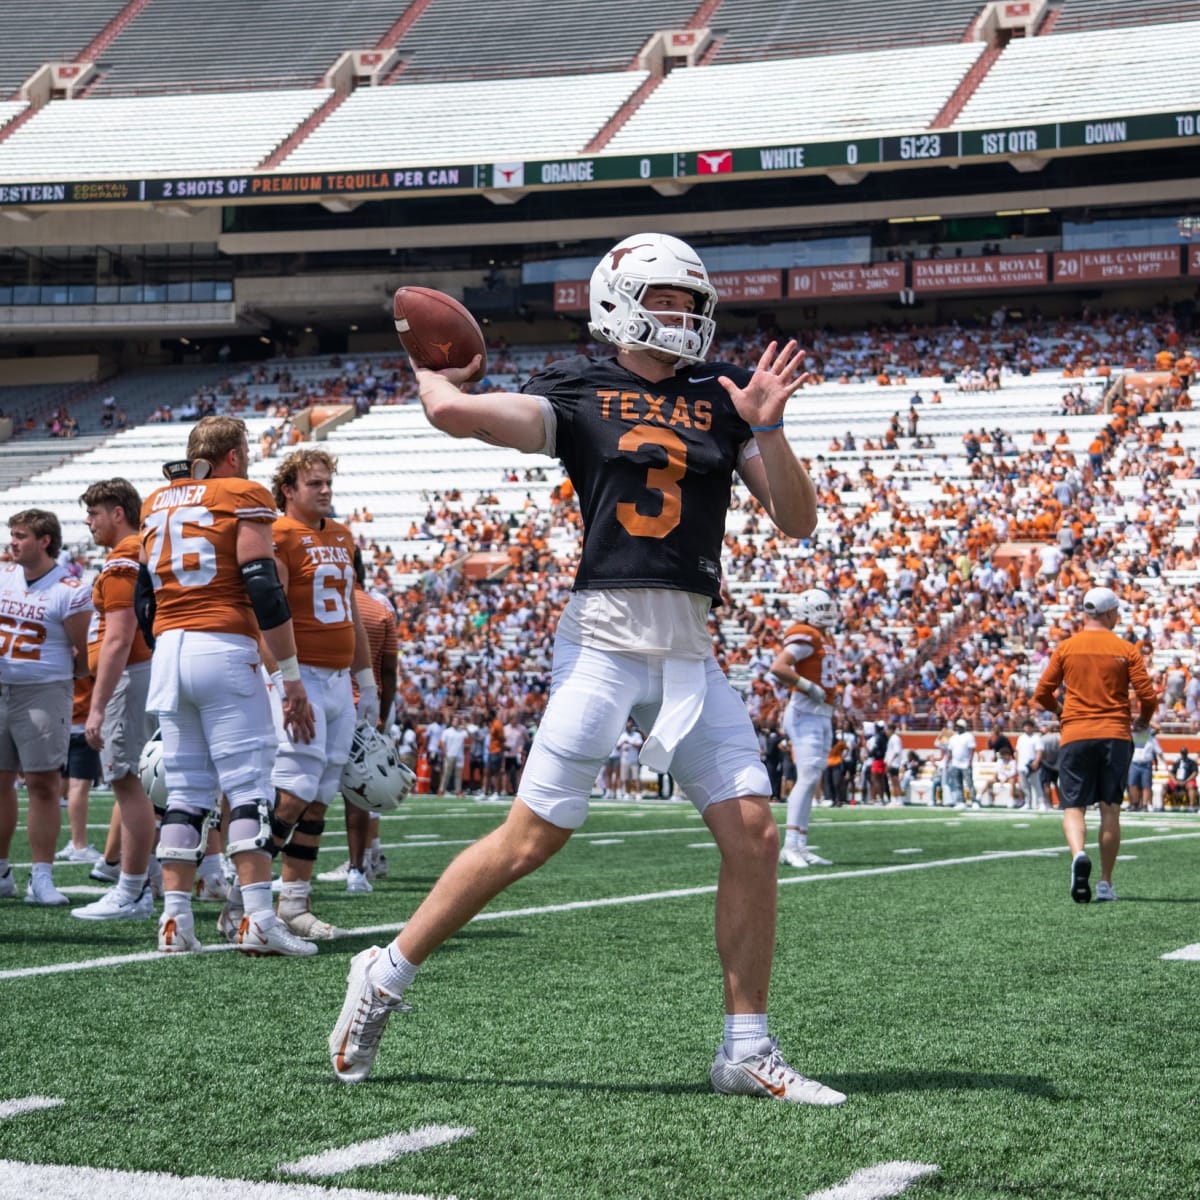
[220, 132]
[32, 36]
[464, 122]
[791, 100]
[462, 38]
[1108, 72]
[181, 46]
[1076, 15]
[756, 29]
[10, 109]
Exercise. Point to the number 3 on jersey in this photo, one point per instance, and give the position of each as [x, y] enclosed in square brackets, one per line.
[664, 480]
[192, 559]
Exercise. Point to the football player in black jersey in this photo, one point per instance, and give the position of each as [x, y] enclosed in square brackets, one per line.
[650, 438]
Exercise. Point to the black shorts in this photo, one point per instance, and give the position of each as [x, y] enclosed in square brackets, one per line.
[1048, 776]
[82, 761]
[1094, 771]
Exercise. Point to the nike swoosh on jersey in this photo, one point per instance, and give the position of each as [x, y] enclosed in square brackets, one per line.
[700, 378]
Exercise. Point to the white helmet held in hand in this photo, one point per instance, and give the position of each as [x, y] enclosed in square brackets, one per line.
[816, 607]
[619, 285]
[373, 777]
[153, 772]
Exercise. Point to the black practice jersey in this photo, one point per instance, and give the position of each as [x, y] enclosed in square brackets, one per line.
[652, 464]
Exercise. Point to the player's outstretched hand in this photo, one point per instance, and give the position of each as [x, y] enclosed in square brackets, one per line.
[455, 375]
[297, 712]
[779, 373]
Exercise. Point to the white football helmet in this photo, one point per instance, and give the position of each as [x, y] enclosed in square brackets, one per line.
[373, 777]
[152, 771]
[619, 285]
[816, 607]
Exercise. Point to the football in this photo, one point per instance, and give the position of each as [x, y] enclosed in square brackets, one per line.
[437, 331]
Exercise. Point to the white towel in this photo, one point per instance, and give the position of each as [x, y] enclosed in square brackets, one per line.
[684, 686]
[163, 696]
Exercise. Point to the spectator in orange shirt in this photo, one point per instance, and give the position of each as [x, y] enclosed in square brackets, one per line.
[1097, 669]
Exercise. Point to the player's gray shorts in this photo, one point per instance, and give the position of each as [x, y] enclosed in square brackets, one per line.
[35, 725]
[127, 727]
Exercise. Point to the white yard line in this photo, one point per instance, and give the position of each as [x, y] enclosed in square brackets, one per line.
[376, 1151]
[1187, 954]
[607, 902]
[877, 1182]
[33, 1181]
[27, 1104]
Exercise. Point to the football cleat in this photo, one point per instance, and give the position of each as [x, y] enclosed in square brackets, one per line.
[114, 907]
[41, 891]
[177, 934]
[337, 875]
[379, 864]
[793, 856]
[71, 853]
[357, 884]
[765, 1073]
[1105, 891]
[1081, 870]
[815, 860]
[261, 939]
[229, 923]
[8, 885]
[106, 872]
[354, 1041]
[213, 888]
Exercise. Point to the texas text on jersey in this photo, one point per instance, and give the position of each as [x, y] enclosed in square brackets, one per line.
[652, 464]
[189, 533]
[807, 647]
[113, 589]
[34, 646]
[320, 568]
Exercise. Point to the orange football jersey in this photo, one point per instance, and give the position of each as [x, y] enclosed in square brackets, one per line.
[189, 534]
[320, 574]
[816, 667]
[113, 589]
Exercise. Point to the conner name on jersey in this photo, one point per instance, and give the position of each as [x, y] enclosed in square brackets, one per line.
[328, 554]
[639, 407]
[173, 497]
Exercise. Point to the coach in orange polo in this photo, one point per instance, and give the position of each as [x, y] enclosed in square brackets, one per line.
[1096, 669]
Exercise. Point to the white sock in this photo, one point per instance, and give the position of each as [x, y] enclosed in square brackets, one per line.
[177, 904]
[743, 1032]
[392, 971]
[293, 897]
[129, 887]
[41, 871]
[210, 865]
[256, 899]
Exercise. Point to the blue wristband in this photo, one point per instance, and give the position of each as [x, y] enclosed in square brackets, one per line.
[766, 428]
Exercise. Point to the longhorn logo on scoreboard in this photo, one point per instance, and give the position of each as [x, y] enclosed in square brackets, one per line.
[714, 162]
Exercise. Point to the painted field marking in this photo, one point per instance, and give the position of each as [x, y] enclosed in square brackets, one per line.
[1187, 954]
[701, 845]
[27, 1104]
[909, 850]
[376, 1151]
[607, 841]
[877, 1182]
[605, 902]
[20, 1181]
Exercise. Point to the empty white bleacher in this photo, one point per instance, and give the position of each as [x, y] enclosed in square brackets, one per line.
[463, 122]
[160, 135]
[10, 109]
[1093, 14]
[1103, 73]
[797, 99]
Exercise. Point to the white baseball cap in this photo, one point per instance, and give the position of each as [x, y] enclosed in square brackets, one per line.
[1100, 600]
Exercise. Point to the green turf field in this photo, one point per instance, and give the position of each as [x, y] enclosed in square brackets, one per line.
[981, 1023]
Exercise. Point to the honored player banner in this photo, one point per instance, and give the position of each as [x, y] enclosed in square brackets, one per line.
[571, 295]
[852, 279]
[980, 273]
[734, 286]
[1194, 260]
[1117, 266]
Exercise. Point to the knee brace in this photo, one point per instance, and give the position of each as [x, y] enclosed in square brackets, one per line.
[175, 842]
[256, 816]
[310, 827]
